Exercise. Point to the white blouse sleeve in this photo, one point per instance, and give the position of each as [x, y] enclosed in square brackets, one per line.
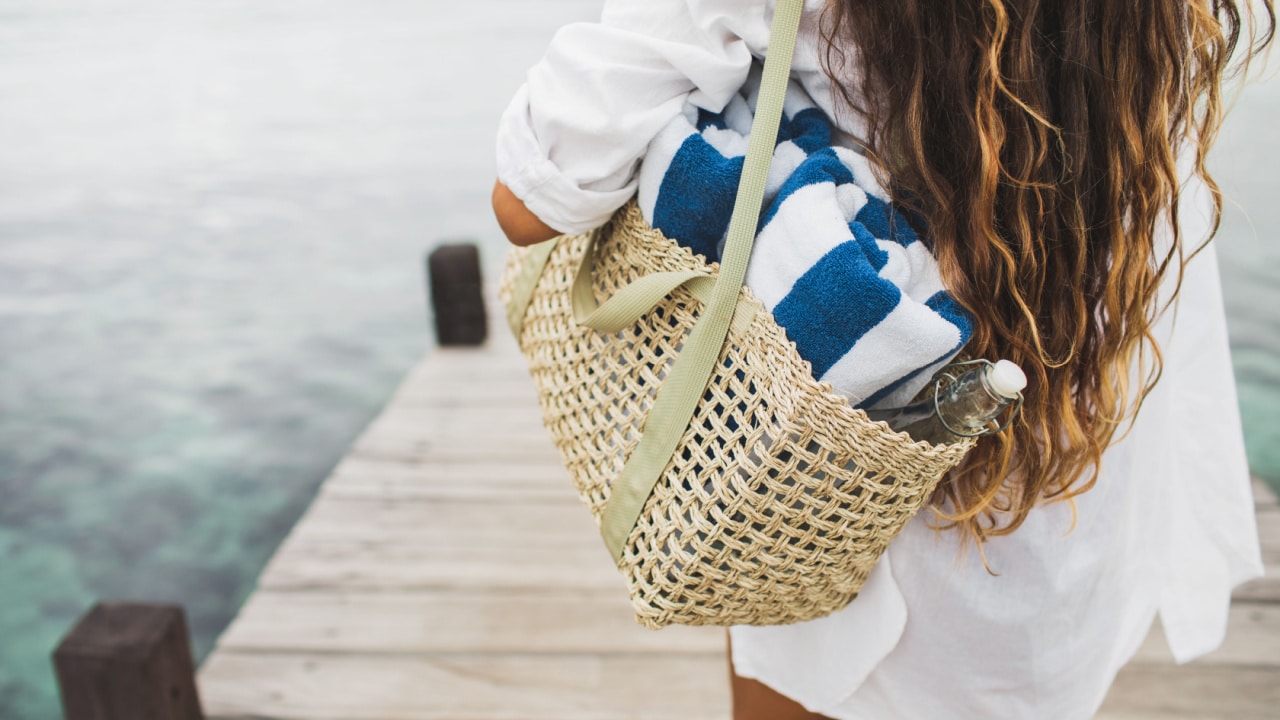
[571, 139]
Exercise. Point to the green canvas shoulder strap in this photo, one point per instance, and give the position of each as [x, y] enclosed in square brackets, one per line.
[687, 381]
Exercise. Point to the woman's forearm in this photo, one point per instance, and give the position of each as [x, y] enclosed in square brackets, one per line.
[521, 226]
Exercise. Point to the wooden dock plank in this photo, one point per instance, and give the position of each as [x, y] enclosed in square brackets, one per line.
[371, 478]
[459, 435]
[1265, 589]
[1269, 534]
[530, 622]
[1138, 715]
[360, 565]
[546, 473]
[482, 424]
[466, 687]
[1253, 639]
[462, 522]
[403, 545]
[507, 389]
[1196, 690]
[1263, 496]
[397, 440]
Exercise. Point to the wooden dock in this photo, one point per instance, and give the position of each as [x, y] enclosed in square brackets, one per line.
[447, 572]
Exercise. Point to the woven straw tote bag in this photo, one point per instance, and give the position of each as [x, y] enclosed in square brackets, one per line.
[730, 486]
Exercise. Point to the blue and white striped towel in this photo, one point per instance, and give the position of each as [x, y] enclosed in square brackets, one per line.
[840, 269]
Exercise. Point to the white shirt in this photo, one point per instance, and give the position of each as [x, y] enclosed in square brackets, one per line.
[1169, 529]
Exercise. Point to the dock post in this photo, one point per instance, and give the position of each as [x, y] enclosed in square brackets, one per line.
[125, 661]
[457, 298]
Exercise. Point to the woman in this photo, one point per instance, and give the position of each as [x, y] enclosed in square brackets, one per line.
[1056, 151]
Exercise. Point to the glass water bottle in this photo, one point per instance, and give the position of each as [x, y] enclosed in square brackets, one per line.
[966, 407]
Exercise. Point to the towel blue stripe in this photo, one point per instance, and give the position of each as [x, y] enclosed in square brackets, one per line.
[695, 200]
[952, 312]
[809, 130]
[885, 223]
[820, 314]
[877, 257]
[821, 166]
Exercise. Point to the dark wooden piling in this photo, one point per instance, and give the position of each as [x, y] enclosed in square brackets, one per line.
[127, 661]
[457, 300]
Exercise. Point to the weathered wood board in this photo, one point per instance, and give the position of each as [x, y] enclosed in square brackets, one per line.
[447, 570]
[479, 621]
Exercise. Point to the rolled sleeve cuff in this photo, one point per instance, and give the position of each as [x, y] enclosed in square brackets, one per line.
[524, 167]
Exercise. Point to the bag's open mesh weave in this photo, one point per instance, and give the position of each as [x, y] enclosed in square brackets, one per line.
[780, 498]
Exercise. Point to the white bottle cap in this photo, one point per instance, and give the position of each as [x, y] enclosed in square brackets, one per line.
[1006, 379]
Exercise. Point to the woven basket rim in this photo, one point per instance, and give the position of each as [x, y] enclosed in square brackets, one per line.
[631, 215]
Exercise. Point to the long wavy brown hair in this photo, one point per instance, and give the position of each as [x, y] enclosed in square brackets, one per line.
[1038, 139]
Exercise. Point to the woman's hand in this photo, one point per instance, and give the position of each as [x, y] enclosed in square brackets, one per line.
[521, 226]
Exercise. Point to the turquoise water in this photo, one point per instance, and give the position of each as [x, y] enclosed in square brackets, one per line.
[212, 221]
[212, 225]
[1247, 162]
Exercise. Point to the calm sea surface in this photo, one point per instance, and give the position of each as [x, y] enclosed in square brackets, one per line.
[212, 222]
